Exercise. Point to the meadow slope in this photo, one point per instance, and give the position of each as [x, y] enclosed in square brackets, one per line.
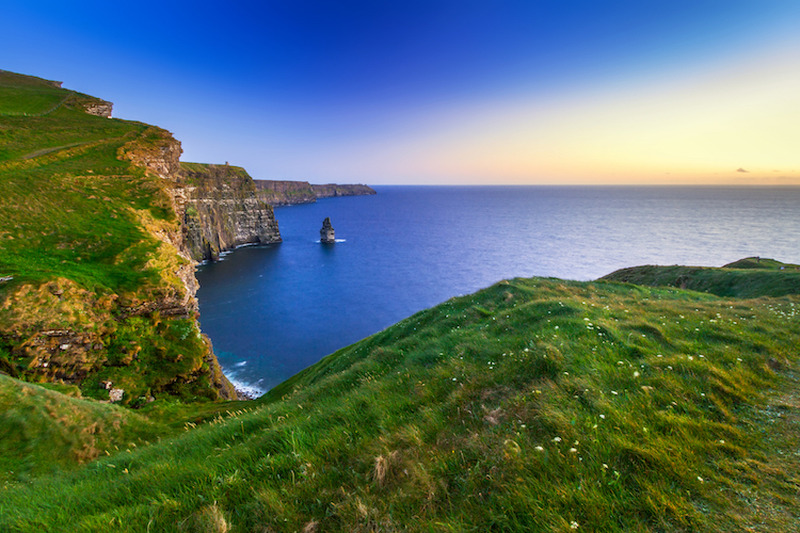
[532, 405]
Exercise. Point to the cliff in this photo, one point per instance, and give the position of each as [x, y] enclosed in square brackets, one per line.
[282, 193]
[332, 190]
[97, 273]
[222, 210]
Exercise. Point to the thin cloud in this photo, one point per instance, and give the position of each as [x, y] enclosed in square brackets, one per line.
[740, 169]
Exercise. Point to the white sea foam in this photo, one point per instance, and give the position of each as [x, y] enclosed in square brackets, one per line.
[254, 390]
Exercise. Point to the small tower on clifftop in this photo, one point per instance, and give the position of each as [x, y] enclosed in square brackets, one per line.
[326, 235]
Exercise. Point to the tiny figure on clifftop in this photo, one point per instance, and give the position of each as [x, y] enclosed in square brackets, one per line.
[326, 233]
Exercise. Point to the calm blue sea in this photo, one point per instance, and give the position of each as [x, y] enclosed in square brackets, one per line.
[272, 311]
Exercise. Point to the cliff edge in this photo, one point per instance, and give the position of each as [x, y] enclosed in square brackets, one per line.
[221, 209]
[282, 193]
[101, 231]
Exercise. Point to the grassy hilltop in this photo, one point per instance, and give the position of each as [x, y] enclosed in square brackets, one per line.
[657, 399]
[533, 405]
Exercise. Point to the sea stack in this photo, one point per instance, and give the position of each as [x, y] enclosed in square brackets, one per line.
[326, 233]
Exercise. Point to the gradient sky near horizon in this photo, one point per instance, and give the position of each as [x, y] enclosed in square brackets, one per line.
[441, 92]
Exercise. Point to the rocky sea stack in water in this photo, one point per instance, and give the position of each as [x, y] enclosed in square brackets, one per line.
[326, 234]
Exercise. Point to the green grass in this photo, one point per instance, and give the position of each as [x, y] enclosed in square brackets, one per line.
[527, 406]
[746, 278]
[78, 236]
[26, 95]
[671, 404]
[47, 430]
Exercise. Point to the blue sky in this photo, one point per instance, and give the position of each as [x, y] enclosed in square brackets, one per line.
[440, 91]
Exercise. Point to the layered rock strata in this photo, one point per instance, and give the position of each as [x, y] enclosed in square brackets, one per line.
[281, 193]
[331, 190]
[222, 210]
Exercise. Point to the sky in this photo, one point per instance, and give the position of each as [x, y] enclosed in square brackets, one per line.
[441, 91]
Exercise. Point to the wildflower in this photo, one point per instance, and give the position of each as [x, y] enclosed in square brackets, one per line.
[573, 525]
[539, 449]
[603, 417]
[557, 439]
[699, 479]
[573, 450]
[605, 466]
[636, 374]
[614, 392]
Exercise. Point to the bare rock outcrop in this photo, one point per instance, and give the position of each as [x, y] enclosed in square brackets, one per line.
[326, 234]
[100, 108]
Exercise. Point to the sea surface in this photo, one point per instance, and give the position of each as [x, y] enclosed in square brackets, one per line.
[271, 311]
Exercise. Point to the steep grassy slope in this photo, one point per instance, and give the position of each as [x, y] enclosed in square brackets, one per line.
[746, 278]
[90, 292]
[48, 430]
[536, 404]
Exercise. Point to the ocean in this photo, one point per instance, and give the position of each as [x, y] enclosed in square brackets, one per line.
[272, 311]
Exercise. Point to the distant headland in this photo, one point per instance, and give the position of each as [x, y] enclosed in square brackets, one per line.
[282, 193]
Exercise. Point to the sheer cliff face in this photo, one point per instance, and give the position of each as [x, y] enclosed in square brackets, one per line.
[222, 210]
[280, 193]
[332, 190]
[102, 227]
[97, 286]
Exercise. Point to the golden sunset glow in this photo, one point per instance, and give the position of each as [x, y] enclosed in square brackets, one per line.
[731, 124]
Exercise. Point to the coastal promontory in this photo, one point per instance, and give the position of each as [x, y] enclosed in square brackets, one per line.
[102, 227]
[282, 193]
